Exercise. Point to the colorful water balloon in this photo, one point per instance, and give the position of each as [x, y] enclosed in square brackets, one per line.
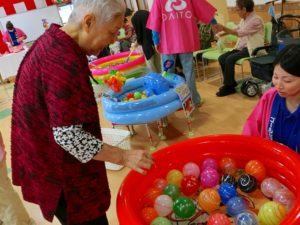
[209, 200]
[209, 178]
[161, 221]
[269, 185]
[227, 178]
[149, 214]
[247, 183]
[257, 169]
[160, 183]
[235, 206]
[209, 163]
[172, 190]
[150, 195]
[189, 185]
[191, 169]
[246, 218]
[218, 219]
[174, 177]
[271, 213]
[226, 192]
[228, 165]
[285, 197]
[184, 207]
[163, 205]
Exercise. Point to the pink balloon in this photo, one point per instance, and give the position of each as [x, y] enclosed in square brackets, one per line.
[269, 186]
[191, 169]
[209, 163]
[209, 178]
[285, 197]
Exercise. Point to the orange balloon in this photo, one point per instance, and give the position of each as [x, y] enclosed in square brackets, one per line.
[149, 214]
[209, 200]
[150, 196]
[228, 165]
[257, 169]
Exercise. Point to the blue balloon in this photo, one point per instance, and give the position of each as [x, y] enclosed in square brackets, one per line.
[235, 206]
[246, 218]
[226, 192]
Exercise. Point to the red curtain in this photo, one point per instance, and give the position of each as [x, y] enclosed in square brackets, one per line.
[8, 5]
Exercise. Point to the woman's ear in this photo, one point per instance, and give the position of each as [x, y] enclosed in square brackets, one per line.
[88, 22]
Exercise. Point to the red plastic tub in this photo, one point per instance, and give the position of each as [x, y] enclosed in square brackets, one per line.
[281, 163]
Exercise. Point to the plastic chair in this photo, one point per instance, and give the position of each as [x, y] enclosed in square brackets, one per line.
[214, 54]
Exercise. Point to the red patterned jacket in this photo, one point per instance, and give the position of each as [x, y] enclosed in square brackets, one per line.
[52, 90]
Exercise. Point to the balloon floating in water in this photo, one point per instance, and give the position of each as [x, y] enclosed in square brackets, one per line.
[149, 214]
[209, 200]
[161, 221]
[189, 185]
[271, 213]
[228, 165]
[226, 192]
[247, 183]
[257, 169]
[209, 163]
[227, 178]
[191, 169]
[269, 185]
[218, 219]
[235, 206]
[209, 178]
[163, 205]
[245, 218]
[184, 207]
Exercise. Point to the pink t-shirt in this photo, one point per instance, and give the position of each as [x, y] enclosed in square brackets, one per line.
[176, 21]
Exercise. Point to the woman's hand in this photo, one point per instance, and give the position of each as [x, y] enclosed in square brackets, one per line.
[138, 160]
[20, 39]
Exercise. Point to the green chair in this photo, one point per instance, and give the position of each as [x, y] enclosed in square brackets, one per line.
[195, 56]
[214, 54]
[267, 40]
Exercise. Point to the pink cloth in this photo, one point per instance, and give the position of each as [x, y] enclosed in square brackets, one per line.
[257, 122]
[176, 21]
[20, 33]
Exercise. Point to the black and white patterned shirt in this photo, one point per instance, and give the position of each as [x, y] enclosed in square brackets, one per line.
[78, 142]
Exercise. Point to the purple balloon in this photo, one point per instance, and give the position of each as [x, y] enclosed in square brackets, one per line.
[269, 186]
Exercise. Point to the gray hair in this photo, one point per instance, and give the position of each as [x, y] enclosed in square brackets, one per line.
[104, 10]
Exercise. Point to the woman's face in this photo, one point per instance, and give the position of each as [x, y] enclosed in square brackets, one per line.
[95, 36]
[286, 84]
[241, 11]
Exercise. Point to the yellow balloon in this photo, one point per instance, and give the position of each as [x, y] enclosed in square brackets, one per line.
[174, 177]
[271, 213]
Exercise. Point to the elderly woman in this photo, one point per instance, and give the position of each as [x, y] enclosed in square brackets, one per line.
[277, 114]
[251, 35]
[57, 150]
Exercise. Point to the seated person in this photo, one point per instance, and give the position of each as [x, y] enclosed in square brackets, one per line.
[130, 36]
[251, 35]
[277, 114]
[13, 36]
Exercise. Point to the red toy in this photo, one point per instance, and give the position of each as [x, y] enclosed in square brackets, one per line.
[115, 81]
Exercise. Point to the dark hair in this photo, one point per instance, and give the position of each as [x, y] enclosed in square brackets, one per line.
[247, 4]
[289, 59]
[9, 25]
[128, 12]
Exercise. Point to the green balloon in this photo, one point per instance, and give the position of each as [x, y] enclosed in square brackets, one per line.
[184, 207]
[172, 190]
[161, 221]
